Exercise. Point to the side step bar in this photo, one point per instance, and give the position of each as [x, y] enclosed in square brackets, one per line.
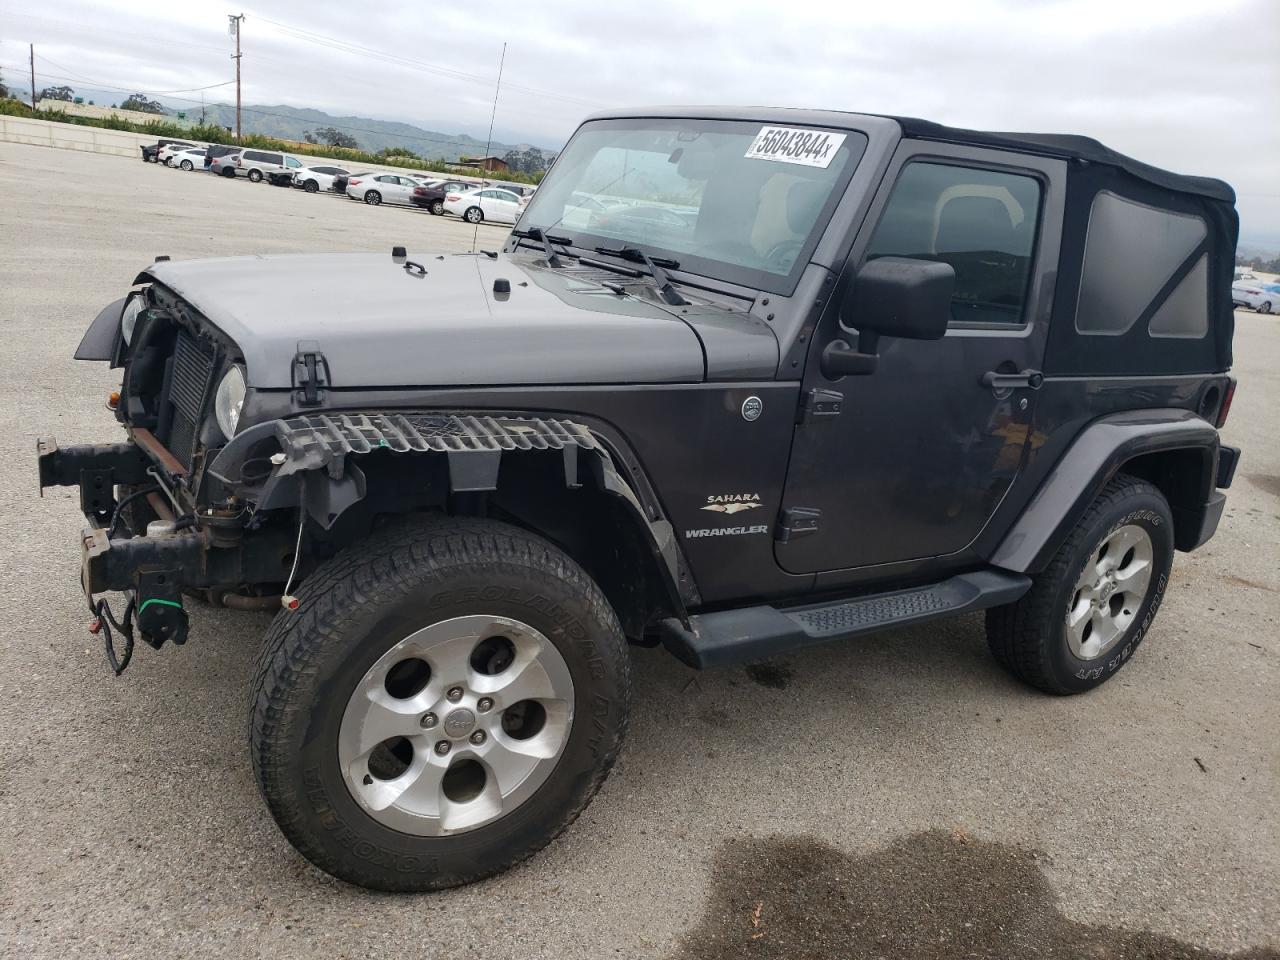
[757, 633]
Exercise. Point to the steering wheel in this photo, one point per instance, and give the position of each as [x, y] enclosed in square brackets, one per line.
[777, 254]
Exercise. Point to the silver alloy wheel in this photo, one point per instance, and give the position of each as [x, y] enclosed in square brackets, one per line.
[474, 215]
[1109, 591]
[427, 745]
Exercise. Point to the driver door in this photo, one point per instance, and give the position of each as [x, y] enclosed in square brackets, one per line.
[921, 452]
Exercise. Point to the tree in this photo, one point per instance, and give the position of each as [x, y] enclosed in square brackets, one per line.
[4, 91]
[529, 160]
[139, 101]
[57, 93]
[331, 137]
[398, 152]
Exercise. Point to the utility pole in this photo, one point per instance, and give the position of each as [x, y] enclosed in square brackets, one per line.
[236, 20]
[32, 51]
[202, 108]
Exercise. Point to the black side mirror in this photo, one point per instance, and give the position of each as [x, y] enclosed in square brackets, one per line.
[892, 297]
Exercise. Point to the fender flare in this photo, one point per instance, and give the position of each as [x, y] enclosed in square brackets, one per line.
[309, 461]
[1094, 457]
[99, 340]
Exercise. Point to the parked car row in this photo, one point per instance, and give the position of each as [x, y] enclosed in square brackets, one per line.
[474, 202]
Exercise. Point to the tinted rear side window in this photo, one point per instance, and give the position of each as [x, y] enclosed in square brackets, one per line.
[981, 222]
[1131, 253]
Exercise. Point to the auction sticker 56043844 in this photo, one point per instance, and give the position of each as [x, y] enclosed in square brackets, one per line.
[812, 148]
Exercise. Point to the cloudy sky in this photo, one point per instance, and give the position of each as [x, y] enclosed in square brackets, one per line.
[1185, 84]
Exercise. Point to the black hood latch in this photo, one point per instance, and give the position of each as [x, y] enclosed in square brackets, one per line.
[310, 375]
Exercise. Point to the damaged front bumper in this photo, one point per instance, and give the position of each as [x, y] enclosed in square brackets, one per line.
[151, 569]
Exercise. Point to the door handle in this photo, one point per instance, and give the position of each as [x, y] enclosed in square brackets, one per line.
[1002, 383]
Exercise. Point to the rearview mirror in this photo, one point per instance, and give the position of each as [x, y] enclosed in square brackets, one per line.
[892, 297]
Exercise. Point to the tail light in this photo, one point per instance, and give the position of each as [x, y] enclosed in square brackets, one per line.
[1227, 397]
[237, 161]
[452, 198]
[353, 183]
[419, 191]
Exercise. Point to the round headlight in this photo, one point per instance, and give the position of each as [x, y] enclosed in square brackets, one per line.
[129, 319]
[228, 401]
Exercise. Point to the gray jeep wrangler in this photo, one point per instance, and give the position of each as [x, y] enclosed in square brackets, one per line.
[739, 382]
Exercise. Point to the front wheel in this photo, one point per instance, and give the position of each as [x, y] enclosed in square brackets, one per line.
[473, 215]
[255, 176]
[1088, 610]
[372, 197]
[444, 702]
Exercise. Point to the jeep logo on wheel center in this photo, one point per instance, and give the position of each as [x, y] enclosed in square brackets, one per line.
[458, 723]
[463, 523]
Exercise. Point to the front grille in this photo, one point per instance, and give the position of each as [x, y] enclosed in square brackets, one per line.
[193, 366]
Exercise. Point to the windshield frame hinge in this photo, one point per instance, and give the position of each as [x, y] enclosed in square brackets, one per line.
[310, 375]
[819, 404]
[796, 522]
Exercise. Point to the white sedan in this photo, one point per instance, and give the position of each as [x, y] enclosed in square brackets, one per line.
[1256, 295]
[489, 203]
[192, 159]
[382, 188]
[313, 179]
[167, 152]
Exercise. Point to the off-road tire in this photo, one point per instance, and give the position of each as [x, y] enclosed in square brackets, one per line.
[1028, 638]
[255, 176]
[359, 604]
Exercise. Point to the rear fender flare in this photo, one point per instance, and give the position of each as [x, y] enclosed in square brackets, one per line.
[1100, 452]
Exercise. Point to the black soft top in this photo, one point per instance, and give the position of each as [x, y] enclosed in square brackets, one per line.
[1069, 147]
[1064, 146]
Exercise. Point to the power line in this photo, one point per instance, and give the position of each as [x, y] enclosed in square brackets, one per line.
[455, 141]
[84, 79]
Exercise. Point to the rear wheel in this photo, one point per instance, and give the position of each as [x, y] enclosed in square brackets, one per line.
[1265, 307]
[372, 197]
[474, 215]
[444, 702]
[311, 186]
[187, 165]
[437, 207]
[228, 172]
[1088, 610]
[255, 176]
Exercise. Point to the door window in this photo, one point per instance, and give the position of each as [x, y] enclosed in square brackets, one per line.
[981, 222]
[291, 162]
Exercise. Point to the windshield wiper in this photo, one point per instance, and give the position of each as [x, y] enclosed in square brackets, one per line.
[656, 270]
[539, 235]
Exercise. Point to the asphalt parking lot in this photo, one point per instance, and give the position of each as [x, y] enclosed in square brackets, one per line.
[895, 797]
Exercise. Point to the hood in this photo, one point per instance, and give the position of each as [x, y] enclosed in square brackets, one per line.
[380, 325]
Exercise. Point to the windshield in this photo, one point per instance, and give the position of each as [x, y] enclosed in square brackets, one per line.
[741, 201]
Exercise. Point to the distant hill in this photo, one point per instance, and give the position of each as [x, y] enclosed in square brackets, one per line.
[292, 123]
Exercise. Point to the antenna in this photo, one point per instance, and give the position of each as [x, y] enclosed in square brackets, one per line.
[475, 236]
